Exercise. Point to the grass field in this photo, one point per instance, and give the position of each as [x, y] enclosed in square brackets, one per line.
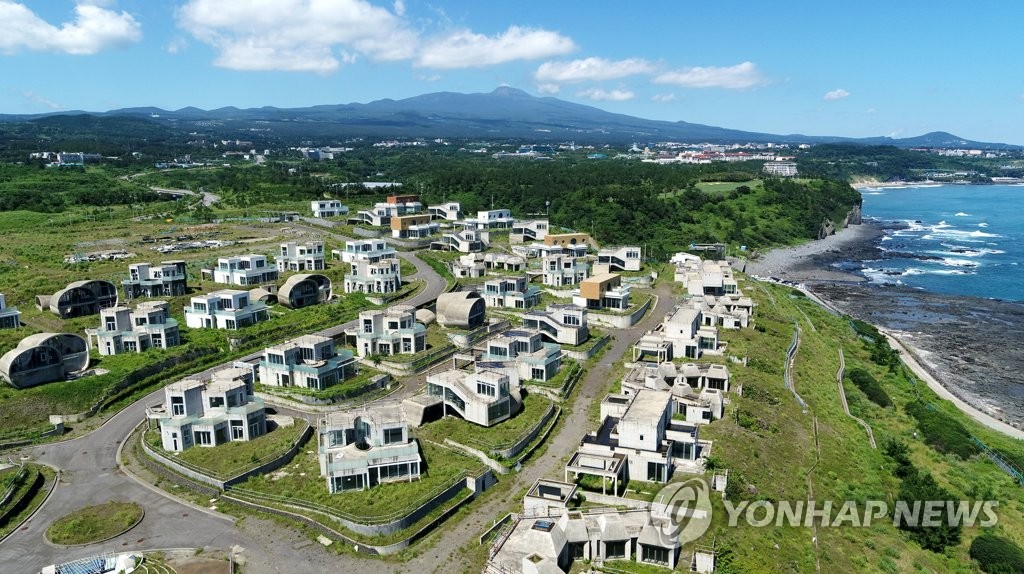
[498, 436]
[94, 523]
[235, 457]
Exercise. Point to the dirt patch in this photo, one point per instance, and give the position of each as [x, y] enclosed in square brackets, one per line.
[198, 565]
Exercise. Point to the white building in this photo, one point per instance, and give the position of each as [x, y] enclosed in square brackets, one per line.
[125, 331]
[564, 324]
[224, 309]
[327, 208]
[510, 293]
[465, 241]
[697, 389]
[10, 317]
[617, 259]
[244, 270]
[780, 168]
[525, 352]
[450, 211]
[209, 413]
[310, 362]
[528, 230]
[562, 270]
[365, 447]
[295, 256]
[167, 279]
[390, 332]
[485, 397]
[489, 219]
[682, 334]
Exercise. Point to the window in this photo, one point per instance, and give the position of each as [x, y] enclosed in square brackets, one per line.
[237, 430]
[275, 359]
[393, 435]
[655, 555]
[485, 389]
[216, 402]
[178, 406]
[573, 320]
[615, 549]
[203, 438]
[110, 324]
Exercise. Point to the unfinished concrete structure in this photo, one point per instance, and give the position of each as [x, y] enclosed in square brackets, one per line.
[123, 330]
[168, 279]
[79, 299]
[305, 289]
[309, 362]
[563, 324]
[390, 331]
[485, 397]
[44, 358]
[10, 317]
[367, 446]
[295, 256]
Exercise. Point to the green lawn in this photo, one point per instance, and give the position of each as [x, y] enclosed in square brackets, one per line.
[301, 481]
[235, 457]
[348, 387]
[94, 523]
[725, 186]
[498, 436]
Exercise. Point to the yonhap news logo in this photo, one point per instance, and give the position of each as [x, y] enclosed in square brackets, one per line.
[683, 510]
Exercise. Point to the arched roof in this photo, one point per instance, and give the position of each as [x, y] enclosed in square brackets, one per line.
[298, 289]
[43, 358]
[460, 309]
[83, 298]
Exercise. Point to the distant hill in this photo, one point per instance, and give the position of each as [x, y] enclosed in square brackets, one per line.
[504, 113]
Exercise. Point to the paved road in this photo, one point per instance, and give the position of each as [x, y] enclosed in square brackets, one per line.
[91, 476]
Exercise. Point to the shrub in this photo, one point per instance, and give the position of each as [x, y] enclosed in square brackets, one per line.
[942, 432]
[870, 387]
[997, 555]
[921, 486]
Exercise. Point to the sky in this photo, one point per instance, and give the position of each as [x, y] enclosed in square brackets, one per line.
[854, 69]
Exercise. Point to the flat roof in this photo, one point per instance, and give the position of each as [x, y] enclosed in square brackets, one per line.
[648, 406]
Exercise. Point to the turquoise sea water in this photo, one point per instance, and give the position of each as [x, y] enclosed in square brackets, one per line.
[958, 240]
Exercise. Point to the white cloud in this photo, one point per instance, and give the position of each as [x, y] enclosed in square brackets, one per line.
[428, 78]
[871, 111]
[93, 30]
[548, 88]
[467, 49]
[664, 98]
[400, 7]
[40, 100]
[590, 70]
[597, 94]
[297, 35]
[836, 94]
[738, 77]
[177, 44]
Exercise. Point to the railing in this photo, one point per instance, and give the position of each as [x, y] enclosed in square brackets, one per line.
[13, 484]
[787, 377]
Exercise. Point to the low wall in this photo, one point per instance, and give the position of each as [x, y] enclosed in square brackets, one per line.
[224, 484]
[619, 321]
[583, 356]
[375, 383]
[479, 454]
[521, 444]
[18, 505]
[607, 499]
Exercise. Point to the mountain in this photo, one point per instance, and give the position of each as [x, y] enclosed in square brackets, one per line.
[503, 113]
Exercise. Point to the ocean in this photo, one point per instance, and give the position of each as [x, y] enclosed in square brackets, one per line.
[954, 239]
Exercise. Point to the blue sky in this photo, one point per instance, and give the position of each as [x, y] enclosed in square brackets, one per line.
[854, 69]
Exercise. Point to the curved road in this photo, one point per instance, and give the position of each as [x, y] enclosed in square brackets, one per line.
[90, 475]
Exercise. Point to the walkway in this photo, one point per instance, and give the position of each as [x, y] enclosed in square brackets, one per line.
[842, 398]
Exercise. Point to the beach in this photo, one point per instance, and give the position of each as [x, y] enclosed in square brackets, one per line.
[963, 347]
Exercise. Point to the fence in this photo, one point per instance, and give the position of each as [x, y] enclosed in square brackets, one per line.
[787, 377]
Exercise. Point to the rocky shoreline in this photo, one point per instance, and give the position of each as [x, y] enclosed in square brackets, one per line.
[967, 344]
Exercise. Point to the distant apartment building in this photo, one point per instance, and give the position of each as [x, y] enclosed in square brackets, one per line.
[528, 230]
[602, 292]
[224, 309]
[294, 256]
[485, 398]
[563, 324]
[168, 279]
[511, 293]
[617, 259]
[204, 413]
[562, 270]
[450, 211]
[310, 362]
[123, 330]
[365, 447]
[244, 270]
[10, 317]
[780, 168]
[328, 208]
[390, 331]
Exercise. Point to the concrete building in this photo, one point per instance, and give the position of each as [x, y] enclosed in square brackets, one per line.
[617, 259]
[79, 299]
[390, 331]
[365, 447]
[780, 168]
[450, 211]
[374, 267]
[528, 230]
[208, 413]
[568, 239]
[415, 226]
[10, 317]
[602, 292]
[327, 208]
[469, 266]
[465, 241]
[712, 288]
[504, 262]
[305, 289]
[168, 279]
[561, 270]
[489, 219]
[485, 397]
[310, 362]
[224, 309]
[294, 256]
[244, 270]
[637, 440]
[123, 330]
[394, 206]
[563, 324]
[682, 334]
[523, 352]
[697, 389]
[510, 293]
[44, 358]
[460, 309]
